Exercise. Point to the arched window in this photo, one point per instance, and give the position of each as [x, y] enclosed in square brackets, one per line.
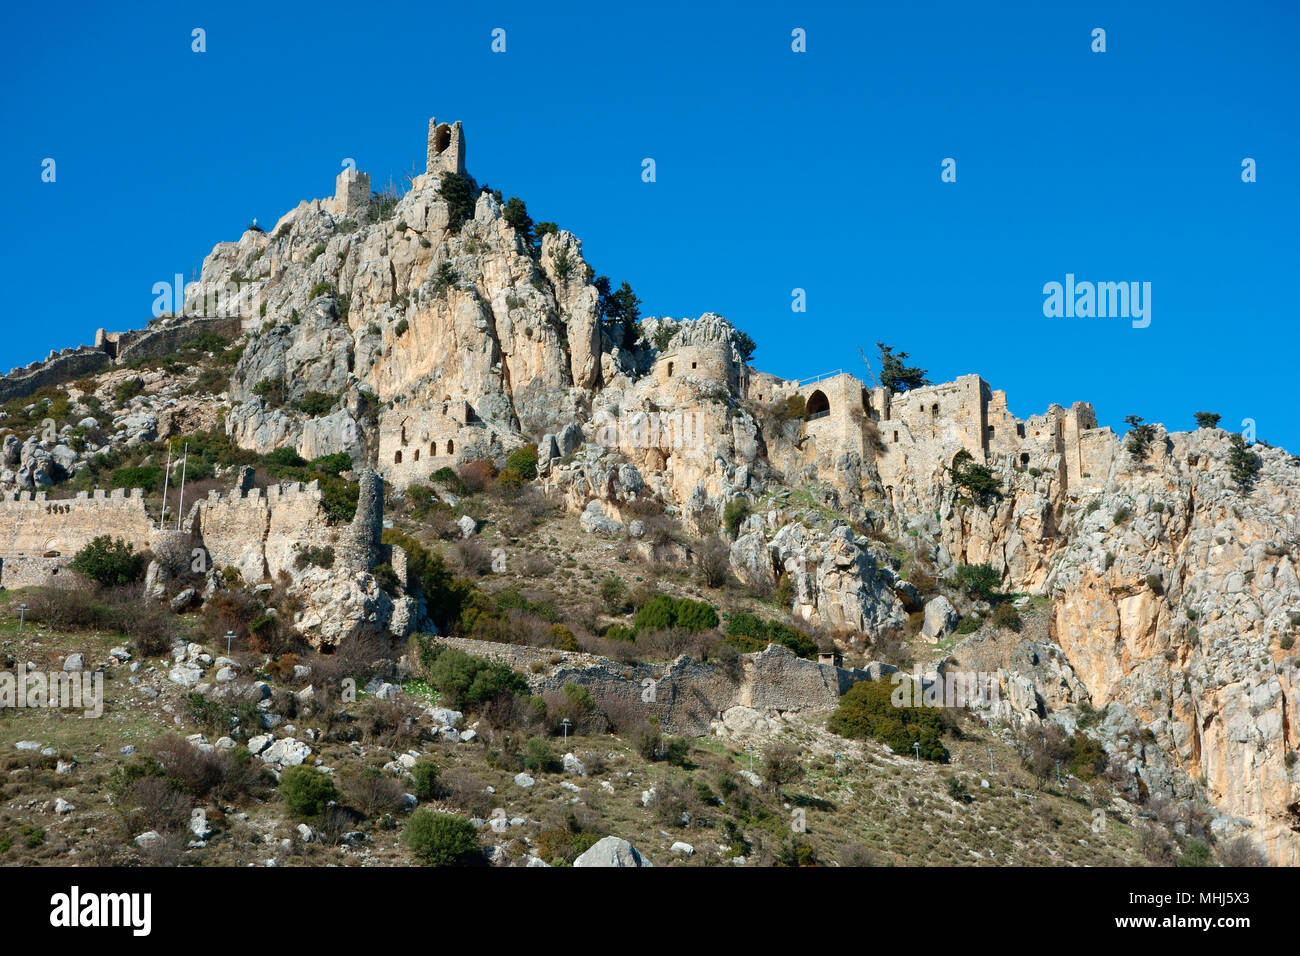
[433, 448]
[670, 369]
[451, 446]
[397, 458]
[417, 454]
[818, 405]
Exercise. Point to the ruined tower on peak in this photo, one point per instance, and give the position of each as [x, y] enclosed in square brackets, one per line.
[446, 149]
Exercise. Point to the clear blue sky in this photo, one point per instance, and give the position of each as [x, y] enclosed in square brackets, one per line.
[776, 170]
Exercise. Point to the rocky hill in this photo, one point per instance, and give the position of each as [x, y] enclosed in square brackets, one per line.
[1137, 597]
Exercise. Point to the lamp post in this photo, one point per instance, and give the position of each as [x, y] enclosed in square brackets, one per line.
[230, 636]
[917, 747]
[22, 614]
[566, 724]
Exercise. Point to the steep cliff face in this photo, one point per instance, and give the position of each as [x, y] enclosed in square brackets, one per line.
[411, 311]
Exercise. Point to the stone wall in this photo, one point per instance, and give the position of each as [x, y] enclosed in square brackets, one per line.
[686, 696]
[259, 531]
[58, 369]
[160, 338]
[31, 524]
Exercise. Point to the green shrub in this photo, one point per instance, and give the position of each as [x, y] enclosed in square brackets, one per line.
[1006, 616]
[1243, 464]
[539, 757]
[867, 711]
[148, 477]
[523, 461]
[316, 403]
[317, 251]
[306, 791]
[734, 515]
[425, 775]
[441, 839]
[664, 612]
[1207, 420]
[748, 632]
[1155, 584]
[977, 580]
[316, 557]
[463, 679]
[613, 593]
[109, 562]
[1286, 642]
[969, 624]
[123, 392]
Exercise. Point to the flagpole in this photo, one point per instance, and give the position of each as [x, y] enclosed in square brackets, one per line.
[166, 474]
[185, 460]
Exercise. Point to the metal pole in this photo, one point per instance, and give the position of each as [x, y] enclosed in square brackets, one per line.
[167, 473]
[22, 614]
[181, 506]
[917, 747]
[230, 635]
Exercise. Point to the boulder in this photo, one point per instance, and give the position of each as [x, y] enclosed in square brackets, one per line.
[612, 851]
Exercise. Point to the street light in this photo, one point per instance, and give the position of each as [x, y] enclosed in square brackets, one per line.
[566, 724]
[22, 613]
[917, 747]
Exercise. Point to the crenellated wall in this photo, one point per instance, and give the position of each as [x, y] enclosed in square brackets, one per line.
[260, 531]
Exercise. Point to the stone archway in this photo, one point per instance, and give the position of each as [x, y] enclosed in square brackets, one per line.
[818, 405]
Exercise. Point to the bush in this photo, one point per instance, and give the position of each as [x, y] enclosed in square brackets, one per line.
[123, 392]
[441, 839]
[148, 477]
[734, 514]
[748, 632]
[1006, 616]
[663, 613]
[1155, 584]
[306, 791]
[109, 562]
[867, 711]
[977, 580]
[317, 557]
[460, 193]
[317, 403]
[1207, 420]
[464, 679]
[425, 774]
[375, 793]
[539, 757]
[613, 593]
[523, 462]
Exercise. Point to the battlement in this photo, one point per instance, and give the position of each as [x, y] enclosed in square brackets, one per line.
[351, 193]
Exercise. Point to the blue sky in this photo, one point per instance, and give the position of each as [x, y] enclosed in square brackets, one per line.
[776, 170]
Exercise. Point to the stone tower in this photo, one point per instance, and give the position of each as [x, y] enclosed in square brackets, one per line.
[361, 544]
[351, 192]
[446, 149]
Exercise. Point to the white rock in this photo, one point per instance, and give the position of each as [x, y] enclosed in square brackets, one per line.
[612, 851]
[62, 806]
[74, 663]
[683, 848]
[523, 780]
[287, 752]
